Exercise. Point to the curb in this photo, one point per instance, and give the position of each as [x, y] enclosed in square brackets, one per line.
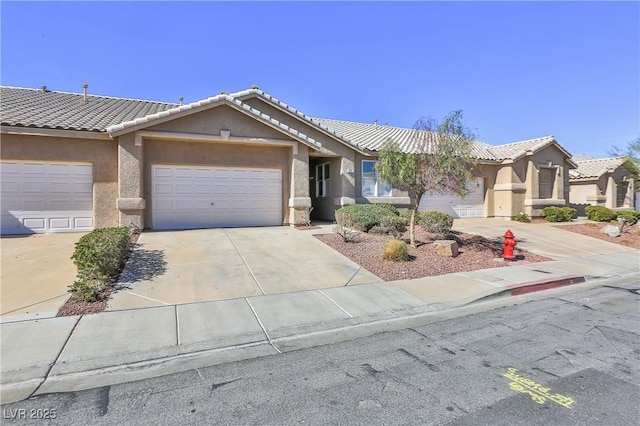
[540, 285]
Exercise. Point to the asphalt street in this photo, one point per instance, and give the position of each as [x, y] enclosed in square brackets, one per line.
[571, 359]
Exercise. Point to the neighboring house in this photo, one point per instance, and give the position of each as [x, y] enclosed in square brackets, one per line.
[605, 182]
[72, 162]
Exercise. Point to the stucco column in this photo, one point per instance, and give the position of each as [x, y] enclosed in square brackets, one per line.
[630, 196]
[299, 200]
[611, 193]
[130, 202]
[347, 183]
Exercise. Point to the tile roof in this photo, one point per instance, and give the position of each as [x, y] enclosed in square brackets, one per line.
[62, 110]
[594, 168]
[516, 150]
[24, 107]
[373, 136]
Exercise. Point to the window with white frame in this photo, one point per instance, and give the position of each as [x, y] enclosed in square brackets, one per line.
[371, 185]
[546, 182]
[323, 180]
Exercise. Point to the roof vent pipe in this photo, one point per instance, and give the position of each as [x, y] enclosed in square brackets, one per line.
[181, 99]
[375, 121]
[84, 90]
[43, 88]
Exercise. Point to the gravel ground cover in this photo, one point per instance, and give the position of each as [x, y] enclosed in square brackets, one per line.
[475, 253]
[630, 236]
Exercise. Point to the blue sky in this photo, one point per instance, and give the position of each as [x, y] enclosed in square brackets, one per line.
[518, 70]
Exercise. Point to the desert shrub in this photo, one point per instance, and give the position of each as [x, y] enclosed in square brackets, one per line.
[406, 215]
[99, 257]
[521, 217]
[558, 214]
[436, 222]
[629, 216]
[393, 225]
[347, 234]
[89, 287]
[600, 213]
[395, 250]
[361, 217]
[393, 209]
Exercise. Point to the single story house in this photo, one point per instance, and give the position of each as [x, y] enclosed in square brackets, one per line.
[605, 182]
[75, 161]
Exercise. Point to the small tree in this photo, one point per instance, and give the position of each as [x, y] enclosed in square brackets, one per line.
[438, 160]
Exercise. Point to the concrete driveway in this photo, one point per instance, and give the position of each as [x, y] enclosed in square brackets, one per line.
[35, 275]
[542, 238]
[177, 267]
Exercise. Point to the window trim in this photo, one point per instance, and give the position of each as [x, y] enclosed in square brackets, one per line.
[377, 186]
[325, 182]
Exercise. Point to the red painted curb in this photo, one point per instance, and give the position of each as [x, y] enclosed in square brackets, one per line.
[540, 285]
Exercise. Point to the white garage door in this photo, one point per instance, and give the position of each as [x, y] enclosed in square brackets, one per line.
[471, 206]
[46, 197]
[207, 197]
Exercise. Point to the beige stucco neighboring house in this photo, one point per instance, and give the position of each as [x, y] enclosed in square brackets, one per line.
[605, 182]
[75, 161]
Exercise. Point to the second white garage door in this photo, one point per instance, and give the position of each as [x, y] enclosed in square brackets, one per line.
[471, 206]
[39, 197]
[211, 197]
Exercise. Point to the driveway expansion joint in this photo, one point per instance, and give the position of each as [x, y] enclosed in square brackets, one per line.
[55, 361]
[264, 330]
[335, 303]
[244, 261]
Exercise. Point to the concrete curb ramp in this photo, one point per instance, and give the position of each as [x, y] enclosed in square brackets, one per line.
[75, 353]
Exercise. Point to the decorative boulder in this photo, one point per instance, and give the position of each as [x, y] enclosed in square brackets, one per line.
[446, 248]
[611, 230]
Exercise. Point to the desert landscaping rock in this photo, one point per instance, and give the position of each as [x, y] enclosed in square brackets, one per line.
[611, 230]
[446, 248]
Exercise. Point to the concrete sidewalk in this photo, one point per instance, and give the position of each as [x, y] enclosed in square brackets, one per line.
[75, 353]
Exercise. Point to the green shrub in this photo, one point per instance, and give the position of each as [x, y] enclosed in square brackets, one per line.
[436, 222]
[558, 214]
[395, 250]
[99, 257]
[88, 287]
[406, 215]
[630, 216]
[393, 209]
[600, 213]
[394, 225]
[362, 217]
[522, 217]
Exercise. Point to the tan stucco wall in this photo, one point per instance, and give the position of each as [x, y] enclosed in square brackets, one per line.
[223, 117]
[250, 145]
[517, 186]
[587, 192]
[216, 155]
[102, 154]
[488, 173]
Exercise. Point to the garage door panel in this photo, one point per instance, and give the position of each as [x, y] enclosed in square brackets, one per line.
[162, 188]
[34, 223]
[472, 205]
[215, 197]
[46, 197]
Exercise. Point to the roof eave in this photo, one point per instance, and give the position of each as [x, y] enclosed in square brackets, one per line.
[293, 112]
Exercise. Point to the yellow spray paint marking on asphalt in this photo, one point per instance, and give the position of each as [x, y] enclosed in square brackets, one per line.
[538, 392]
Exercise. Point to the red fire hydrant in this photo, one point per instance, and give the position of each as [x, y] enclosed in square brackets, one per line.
[509, 243]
